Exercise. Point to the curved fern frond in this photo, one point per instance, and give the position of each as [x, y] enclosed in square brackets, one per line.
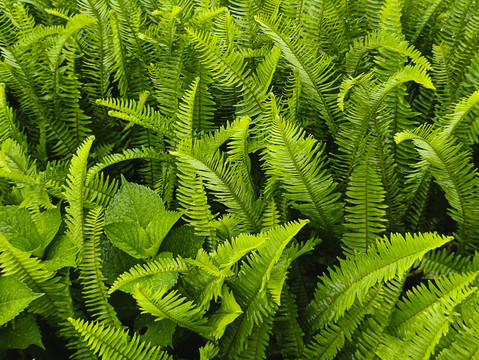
[422, 298]
[115, 344]
[94, 289]
[297, 161]
[155, 267]
[171, 306]
[463, 119]
[74, 191]
[338, 291]
[366, 212]
[426, 334]
[453, 170]
[100, 190]
[251, 288]
[330, 340]
[383, 40]
[230, 252]
[126, 154]
[316, 72]
[219, 174]
[229, 67]
[137, 112]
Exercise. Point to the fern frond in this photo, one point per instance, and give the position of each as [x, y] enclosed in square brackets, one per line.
[230, 252]
[115, 344]
[56, 301]
[365, 218]
[229, 68]
[74, 191]
[219, 176]
[258, 341]
[171, 306]
[8, 126]
[466, 340]
[137, 112]
[452, 168]
[422, 298]
[421, 344]
[126, 154]
[286, 326]
[298, 162]
[463, 119]
[99, 190]
[362, 271]
[375, 327]
[330, 340]
[150, 269]
[442, 262]
[251, 290]
[91, 277]
[382, 40]
[316, 72]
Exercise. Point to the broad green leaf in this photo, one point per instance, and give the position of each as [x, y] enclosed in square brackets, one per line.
[115, 261]
[159, 227]
[182, 241]
[61, 253]
[129, 237]
[135, 203]
[21, 333]
[17, 226]
[15, 296]
[137, 222]
[154, 332]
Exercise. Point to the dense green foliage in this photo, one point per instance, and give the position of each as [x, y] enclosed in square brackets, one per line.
[229, 179]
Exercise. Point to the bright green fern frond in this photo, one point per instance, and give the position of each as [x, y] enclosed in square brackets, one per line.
[452, 168]
[56, 301]
[251, 288]
[229, 68]
[316, 72]
[171, 306]
[137, 112]
[229, 252]
[382, 40]
[92, 279]
[150, 269]
[330, 340]
[338, 291]
[115, 344]
[297, 161]
[366, 210]
[426, 334]
[74, 191]
[422, 298]
[463, 119]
